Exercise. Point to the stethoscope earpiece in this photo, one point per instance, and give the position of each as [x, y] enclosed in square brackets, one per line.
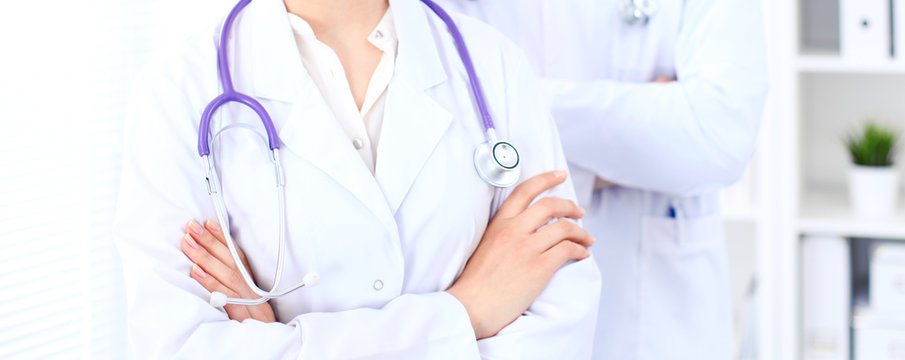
[497, 164]
[311, 279]
[218, 299]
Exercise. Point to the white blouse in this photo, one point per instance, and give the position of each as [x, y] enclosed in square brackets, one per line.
[361, 125]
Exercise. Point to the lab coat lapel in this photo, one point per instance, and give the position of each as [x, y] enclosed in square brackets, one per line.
[268, 63]
[312, 133]
[412, 127]
[274, 70]
[413, 122]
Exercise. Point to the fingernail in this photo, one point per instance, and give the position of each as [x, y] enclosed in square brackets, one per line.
[212, 225]
[195, 227]
[188, 240]
[197, 270]
[582, 211]
[559, 174]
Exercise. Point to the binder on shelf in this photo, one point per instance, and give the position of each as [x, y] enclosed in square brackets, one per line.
[826, 297]
[865, 31]
[878, 335]
[898, 30]
[887, 278]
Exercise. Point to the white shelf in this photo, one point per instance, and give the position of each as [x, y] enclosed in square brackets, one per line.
[829, 213]
[833, 64]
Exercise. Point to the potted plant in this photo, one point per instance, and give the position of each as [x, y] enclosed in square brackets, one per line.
[873, 181]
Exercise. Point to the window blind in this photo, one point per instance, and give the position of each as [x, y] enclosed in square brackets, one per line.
[65, 72]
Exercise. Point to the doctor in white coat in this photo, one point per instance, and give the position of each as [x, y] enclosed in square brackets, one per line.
[389, 238]
[657, 113]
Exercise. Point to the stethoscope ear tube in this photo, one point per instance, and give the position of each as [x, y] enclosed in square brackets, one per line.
[216, 195]
[219, 299]
[273, 140]
[487, 158]
[497, 162]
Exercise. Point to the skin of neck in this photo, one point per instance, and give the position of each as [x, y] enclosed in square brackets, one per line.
[335, 20]
[344, 26]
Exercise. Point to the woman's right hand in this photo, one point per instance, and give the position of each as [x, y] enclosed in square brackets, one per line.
[213, 267]
[515, 261]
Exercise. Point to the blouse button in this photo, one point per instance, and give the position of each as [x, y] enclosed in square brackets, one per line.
[358, 143]
[378, 285]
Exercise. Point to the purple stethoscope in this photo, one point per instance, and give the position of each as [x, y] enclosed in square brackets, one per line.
[497, 162]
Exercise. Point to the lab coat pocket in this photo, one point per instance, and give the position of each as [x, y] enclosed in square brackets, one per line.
[685, 310]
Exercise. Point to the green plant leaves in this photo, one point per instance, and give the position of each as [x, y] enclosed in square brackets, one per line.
[875, 146]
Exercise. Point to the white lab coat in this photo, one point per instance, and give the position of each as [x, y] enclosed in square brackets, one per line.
[412, 226]
[665, 280]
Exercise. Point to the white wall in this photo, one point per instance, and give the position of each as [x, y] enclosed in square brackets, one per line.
[65, 73]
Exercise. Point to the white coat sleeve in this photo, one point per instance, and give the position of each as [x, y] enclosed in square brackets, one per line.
[560, 323]
[687, 137]
[168, 312]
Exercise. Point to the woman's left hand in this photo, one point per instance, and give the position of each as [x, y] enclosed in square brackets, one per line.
[215, 269]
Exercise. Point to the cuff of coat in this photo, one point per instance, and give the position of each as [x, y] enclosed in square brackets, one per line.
[452, 313]
[438, 324]
[411, 326]
[456, 312]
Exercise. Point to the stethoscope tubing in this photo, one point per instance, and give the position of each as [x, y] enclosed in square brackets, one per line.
[473, 80]
[229, 94]
[220, 209]
[226, 97]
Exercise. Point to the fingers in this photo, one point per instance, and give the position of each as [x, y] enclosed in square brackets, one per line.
[211, 243]
[525, 193]
[226, 275]
[235, 312]
[562, 252]
[215, 269]
[562, 230]
[209, 282]
[544, 210]
[211, 237]
[215, 230]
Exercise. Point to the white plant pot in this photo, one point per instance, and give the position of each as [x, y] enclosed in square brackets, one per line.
[874, 191]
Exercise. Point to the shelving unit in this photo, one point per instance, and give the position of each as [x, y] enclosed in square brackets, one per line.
[816, 96]
[833, 64]
[829, 213]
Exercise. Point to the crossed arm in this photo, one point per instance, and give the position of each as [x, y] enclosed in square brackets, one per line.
[514, 262]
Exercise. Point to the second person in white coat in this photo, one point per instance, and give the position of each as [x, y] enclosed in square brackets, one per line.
[656, 115]
[419, 258]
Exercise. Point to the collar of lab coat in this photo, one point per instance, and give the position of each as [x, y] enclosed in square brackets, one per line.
[413, 125]
[275, 65]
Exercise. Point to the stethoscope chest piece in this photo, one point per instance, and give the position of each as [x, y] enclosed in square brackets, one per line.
[498, 164]
[637, 11]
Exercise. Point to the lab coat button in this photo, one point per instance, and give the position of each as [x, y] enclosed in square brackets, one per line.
[378, 285]
[358, 143]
